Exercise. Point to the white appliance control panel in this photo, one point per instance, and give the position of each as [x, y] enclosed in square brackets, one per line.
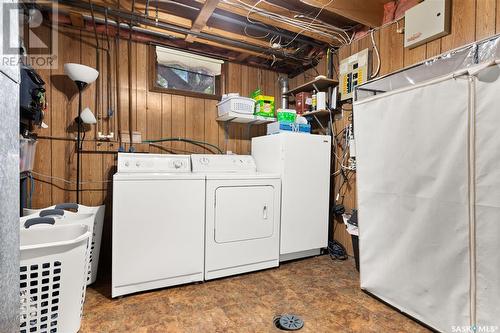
[131, 162]
[223, 163]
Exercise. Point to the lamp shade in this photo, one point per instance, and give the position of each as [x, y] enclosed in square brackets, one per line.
[82, 73]
[87, 117]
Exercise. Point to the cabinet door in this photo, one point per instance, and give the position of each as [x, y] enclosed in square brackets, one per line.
[243, 213]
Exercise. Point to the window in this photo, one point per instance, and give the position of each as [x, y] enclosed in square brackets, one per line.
[185, 73]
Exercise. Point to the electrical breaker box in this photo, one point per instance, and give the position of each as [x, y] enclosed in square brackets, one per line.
[354, 71]
[426, 21]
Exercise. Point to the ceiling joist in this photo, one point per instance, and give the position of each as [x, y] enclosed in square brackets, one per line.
[240, 43]
[202, 18]
[255, 16]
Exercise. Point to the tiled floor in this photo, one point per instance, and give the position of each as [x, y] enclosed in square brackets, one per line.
[324, 293]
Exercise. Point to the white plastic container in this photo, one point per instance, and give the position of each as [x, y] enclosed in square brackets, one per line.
[52, 277]
[237, 104]
[98, 214]
[62, 217]
[27, 150]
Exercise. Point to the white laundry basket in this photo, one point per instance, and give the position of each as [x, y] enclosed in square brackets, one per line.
[62, 217]
[98, 212]
[52, 277]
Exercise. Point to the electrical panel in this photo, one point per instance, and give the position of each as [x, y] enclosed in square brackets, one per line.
[427, 21]
[354, 71]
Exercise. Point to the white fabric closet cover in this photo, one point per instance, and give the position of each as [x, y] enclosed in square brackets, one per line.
[413, 190]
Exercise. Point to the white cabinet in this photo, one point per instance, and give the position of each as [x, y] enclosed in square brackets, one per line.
[303, 161]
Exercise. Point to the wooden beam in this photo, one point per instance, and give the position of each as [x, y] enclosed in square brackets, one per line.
[76, 19]
[367, 12]
[181, 22]
[173, 19]
[242, 57]
[140, 8]
[202, 18]
[275, 9]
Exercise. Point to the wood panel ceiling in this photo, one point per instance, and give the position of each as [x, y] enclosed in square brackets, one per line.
[286, 35]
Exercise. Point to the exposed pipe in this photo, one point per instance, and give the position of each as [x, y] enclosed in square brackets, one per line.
[129, 56]
[150, 22]
[118, 93]
[99, 123]
[283, 81]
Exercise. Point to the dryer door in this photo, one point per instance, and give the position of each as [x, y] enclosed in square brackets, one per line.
[243, 213]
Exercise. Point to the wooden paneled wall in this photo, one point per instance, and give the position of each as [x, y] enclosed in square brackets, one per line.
[155, 115]
[471, 21]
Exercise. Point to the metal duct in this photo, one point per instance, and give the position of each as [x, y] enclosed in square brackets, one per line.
[283, 80]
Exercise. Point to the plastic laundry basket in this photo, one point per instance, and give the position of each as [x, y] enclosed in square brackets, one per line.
[52, 277]
[62, 217]
[98, 212]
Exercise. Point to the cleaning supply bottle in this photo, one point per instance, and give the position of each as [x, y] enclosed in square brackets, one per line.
[314, 101]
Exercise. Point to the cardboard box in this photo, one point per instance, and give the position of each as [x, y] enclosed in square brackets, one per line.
[279, 126]
[303, 102]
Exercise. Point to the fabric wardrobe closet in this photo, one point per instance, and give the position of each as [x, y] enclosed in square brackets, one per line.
[428, 185]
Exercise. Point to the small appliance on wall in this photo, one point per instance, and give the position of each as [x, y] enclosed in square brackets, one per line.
[354, 71]
[427, 21]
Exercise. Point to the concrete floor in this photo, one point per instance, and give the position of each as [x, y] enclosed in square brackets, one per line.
[323, 292]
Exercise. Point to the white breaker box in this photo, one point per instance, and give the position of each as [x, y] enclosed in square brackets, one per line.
[354, 71]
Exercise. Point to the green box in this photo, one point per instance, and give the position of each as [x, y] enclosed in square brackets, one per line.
[286, 116]
[264, 105]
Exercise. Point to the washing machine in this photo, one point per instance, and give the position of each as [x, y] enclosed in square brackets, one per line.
[158, 223]
[242, 215]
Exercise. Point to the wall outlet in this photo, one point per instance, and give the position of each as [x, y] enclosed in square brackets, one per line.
[125, 137]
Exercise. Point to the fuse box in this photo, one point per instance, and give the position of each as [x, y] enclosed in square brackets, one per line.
[354, 71]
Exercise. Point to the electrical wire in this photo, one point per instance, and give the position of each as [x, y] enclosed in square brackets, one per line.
[185, 140]
[314, 20]
[316, 26]
[375, 47]
[70, 181]
[251, 10]
[337, 251]
[250, 35]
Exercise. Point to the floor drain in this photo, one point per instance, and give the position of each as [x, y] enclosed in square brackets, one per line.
[288, 322]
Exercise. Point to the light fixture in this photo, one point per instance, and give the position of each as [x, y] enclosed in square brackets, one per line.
[87, 117]
[82, 76]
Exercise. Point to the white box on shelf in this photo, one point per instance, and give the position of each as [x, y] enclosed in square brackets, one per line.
[236, 104]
